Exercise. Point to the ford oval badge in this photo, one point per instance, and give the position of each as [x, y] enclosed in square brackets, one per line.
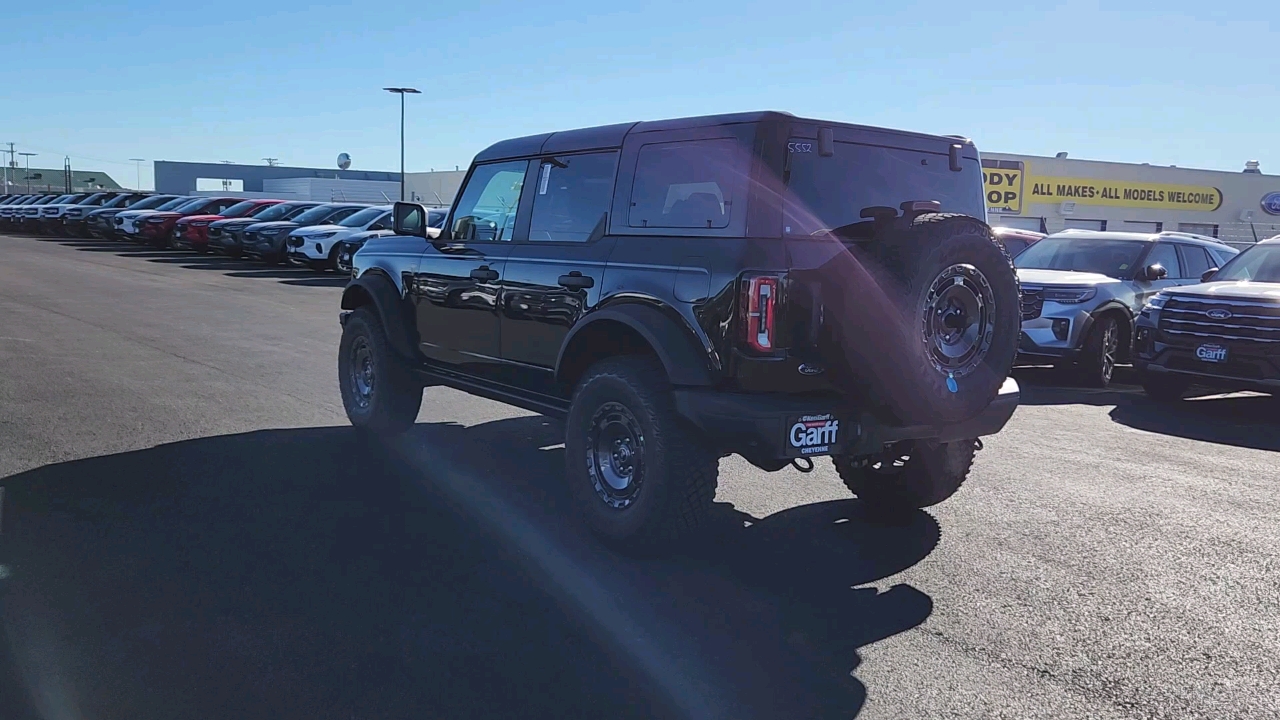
[811, 369]
[1219, 314]
[1271, 203]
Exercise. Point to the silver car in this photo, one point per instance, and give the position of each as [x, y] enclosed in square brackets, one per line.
[1083, 289]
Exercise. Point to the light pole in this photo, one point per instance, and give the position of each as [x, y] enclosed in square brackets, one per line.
[137, 163]
[28, 157]
[402, 91]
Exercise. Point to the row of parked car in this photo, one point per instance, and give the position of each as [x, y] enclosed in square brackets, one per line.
[318, 235]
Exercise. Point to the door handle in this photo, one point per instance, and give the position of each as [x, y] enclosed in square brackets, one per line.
[576, 281]
[484, 273]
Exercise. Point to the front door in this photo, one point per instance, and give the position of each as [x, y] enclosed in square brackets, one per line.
[1166, 255]
[554, 275]
[458, 281]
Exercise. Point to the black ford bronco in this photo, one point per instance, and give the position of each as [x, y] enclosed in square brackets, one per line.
[681, 290]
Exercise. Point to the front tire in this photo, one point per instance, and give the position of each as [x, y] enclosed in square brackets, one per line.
[639, 475]
[379, 392]
[1101, 350]
[907, 475]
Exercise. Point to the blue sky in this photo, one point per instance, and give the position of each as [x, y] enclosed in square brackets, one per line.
[1191, 84]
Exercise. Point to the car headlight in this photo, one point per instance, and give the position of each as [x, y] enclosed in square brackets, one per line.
[199, 223]
[1069, 295]
[268, 232]
[321, 236]
[1155, 302]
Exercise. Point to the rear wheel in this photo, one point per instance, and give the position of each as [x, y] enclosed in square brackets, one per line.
[908, 475]
[1097, 362]
[379, 392]
[640, 477]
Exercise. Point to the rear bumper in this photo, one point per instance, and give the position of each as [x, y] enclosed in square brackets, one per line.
[760, 427]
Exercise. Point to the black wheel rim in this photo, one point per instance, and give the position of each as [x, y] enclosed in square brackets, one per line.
[615, 455]
[361, 377]
[958, 317]
[1110, 344]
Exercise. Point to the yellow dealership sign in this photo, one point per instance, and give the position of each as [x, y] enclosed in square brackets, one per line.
[1002, 183]
[1120, 193]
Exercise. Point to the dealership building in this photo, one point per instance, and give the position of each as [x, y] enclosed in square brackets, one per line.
[1055, 193]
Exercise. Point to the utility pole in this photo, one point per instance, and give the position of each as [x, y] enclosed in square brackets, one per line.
[28, 157]
[66, 173]
[402, 91]
[7, 164]
[137, 163]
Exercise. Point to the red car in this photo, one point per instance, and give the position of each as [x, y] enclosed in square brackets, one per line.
[156, 229]
[192, 232]
[1015, 240]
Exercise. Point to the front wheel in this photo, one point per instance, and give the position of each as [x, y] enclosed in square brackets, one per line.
[908, 475]
[1101, 349]
[638, 474]
[379, 392]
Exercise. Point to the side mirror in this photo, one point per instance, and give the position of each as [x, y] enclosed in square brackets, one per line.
[377, 226]
[409, 219]
[1154, 271]
[1208, 274]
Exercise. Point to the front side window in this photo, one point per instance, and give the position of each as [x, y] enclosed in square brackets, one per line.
[240, 209]
[486, 210]
[314, 215]
[1104, 256]
[572, 200]
[690, 184]
[1167, 257]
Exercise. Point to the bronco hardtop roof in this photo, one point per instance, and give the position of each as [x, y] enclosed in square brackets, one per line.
[611, 136]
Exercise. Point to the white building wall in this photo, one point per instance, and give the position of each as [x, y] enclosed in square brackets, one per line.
[334, 190]
[433, 188]
[1056, 193]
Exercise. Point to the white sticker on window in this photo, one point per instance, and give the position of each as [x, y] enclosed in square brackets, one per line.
[544, 179]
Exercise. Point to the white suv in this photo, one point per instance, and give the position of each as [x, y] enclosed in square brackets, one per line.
[317, 246]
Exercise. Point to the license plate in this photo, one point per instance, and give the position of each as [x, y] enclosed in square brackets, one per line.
[1212, 352]
[818, 434]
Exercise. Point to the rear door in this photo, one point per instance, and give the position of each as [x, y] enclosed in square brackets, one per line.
[554, 273]
[456, 286]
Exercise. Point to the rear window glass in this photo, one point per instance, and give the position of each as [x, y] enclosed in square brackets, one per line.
[831, 193]
[691, 184]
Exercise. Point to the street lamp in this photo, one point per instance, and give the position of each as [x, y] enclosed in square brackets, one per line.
[138, 164]
[28, 157]
[402, 91]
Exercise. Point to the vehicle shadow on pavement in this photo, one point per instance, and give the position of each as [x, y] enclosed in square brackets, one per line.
[275, 574]
[1240, 420]
[780, 603]
[1247, 421]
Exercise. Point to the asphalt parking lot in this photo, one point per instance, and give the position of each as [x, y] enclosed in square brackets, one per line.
[190, 529]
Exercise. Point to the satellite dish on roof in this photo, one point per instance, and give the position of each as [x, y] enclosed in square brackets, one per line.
[344, 161]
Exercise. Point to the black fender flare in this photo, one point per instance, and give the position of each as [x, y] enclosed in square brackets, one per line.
[685, 362]
[378, 290]
[1114, 306]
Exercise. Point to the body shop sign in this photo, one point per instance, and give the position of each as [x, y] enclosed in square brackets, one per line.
[1119, 193]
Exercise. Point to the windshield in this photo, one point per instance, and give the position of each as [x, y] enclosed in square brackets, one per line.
[315, 215]
[92, 198]
[155, 202]
[119, 201]
[295, 210]
[60, 199]
[1114, 258]
[364, 217]
[278, 211]
[831, 193]
[191, 206]
[1260, 263]
[240, 209]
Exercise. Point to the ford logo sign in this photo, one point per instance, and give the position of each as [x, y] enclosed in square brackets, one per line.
[1271, 203]
[1219, 314]
[810, 369]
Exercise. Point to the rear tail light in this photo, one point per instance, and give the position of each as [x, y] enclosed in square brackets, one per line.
[760, 305]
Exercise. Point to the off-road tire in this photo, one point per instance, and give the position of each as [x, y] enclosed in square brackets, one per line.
[675, 479]
[391, 404]
[931, 473]
[1164, 389]
[916, 257]
[1097, 362]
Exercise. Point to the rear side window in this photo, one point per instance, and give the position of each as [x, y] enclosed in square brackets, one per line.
[1195, 261]
[573, 197]
[689, 184]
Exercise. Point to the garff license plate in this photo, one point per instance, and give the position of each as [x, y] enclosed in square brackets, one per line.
[816, 435]
[1212, 352]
